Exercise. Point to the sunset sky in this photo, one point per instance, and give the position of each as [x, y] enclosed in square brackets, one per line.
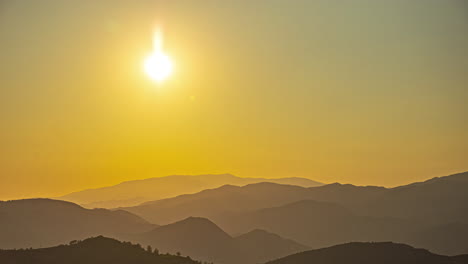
[364, 92]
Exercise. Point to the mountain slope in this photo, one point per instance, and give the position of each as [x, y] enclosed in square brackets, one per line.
[229, 199]
[96, 250]
[316, 224]
[204, 240]
[439, 200]
[449, 239]
[447, 197]
[196, 237]
[44, 222]
[210, 203]
[135, 192]
[368, 253]
[422, 214]
[258, 246]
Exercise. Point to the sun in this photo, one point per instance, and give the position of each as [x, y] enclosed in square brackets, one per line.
[158, 65]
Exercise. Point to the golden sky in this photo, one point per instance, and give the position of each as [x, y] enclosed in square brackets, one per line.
[364, 92]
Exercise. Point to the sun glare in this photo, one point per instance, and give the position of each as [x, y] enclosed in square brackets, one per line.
[158, 65]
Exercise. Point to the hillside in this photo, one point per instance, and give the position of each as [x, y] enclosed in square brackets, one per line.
[196, 237]
[132, 193]
[422, 214]
[210, 203]
[96, 250]
[44, 222]
[368, 253]
[447, 197]
[258, 246]
[204, 240]
[316, 224]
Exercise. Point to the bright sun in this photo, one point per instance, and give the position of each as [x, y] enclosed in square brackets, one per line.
[158, 65]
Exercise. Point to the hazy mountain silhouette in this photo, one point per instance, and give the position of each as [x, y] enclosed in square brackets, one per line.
[369, 253]
[204, 240]
[213, 202]
[258, 246]
[44, 222]
[437, 200]
[132, 193]
[449, 239]
[317, 224]
[96, 250]
[448, 197]
[415, 213]
[196, 237]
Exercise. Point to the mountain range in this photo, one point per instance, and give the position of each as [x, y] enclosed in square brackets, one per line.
[132, 193]
[202, 239]
[37, 223]
[422, 214]
[100, 249]
[258, 222]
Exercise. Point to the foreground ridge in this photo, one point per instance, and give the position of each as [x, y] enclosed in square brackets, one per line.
[369, 253]
[96, 250]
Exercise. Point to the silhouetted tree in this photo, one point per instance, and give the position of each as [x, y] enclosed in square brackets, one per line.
[156, 251]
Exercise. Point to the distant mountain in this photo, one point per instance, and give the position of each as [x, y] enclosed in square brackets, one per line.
[317, 224]
[447, 197]
[449, 239]
[369, 253]
[258, 246]
[44, 222]
[132, 193]
[438, 201]
[213, 202]
[202, 239]
[196, 237]
[230, 199]
[96, 250]
[415, 213]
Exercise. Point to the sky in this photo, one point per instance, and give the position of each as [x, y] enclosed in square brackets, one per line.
[364, 92]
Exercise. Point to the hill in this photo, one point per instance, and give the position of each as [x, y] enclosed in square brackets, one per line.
[317, 224]
[423, 214]
[196, 237]
[204, 240]
[132, 193]
[213, 202]
[44, 222]
[368, 253]
[96, 250]
[439, 200]
[258, 246]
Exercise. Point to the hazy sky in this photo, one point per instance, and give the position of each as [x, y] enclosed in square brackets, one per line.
[365, 92]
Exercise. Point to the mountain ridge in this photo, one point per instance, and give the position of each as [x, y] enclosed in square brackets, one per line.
[45, 222]
[406, 213]
[130, 193]
[204, 240]
[369, 253]
[95, 250]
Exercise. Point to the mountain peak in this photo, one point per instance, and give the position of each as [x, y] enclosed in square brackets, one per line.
[191, 227]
